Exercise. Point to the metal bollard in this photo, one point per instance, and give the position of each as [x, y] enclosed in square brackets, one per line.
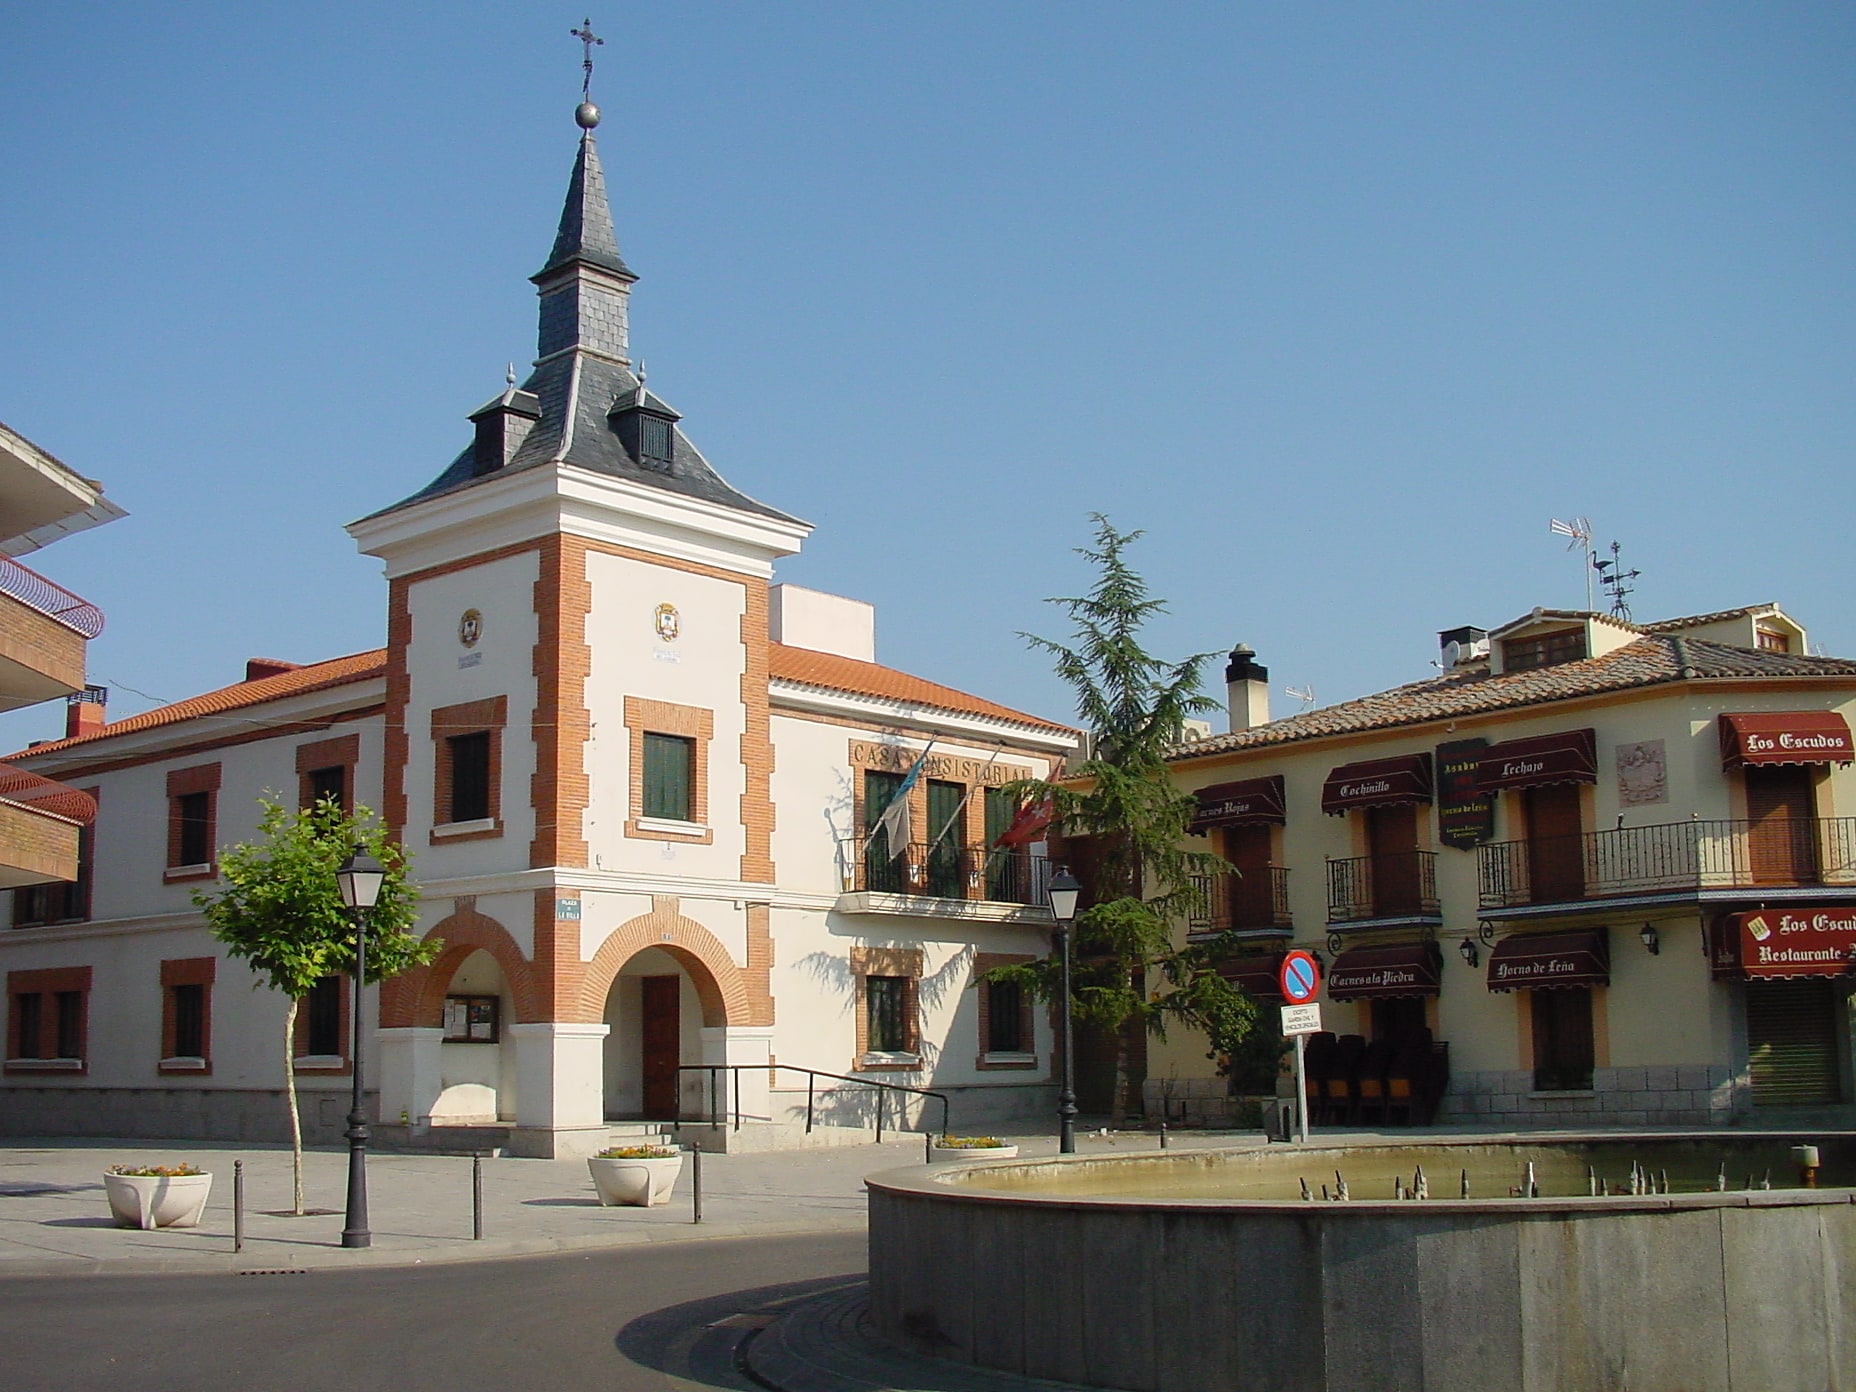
[927, 1147]
[1163, 1134]
[476, 1196]
[696, 1184]
[238, 1205]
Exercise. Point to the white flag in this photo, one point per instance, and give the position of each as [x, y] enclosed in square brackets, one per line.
[894, 823]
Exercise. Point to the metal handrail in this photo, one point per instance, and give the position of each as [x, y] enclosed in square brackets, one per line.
[1257, 898]
[1393, 885]
[1668, 857]
[812, 1077]
[49, 598]
[944, 871]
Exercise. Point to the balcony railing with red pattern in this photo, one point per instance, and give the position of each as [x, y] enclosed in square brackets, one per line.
[1676, 857]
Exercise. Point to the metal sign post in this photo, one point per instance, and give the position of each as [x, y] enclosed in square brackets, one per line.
[1300, 978]
[1301, 1089]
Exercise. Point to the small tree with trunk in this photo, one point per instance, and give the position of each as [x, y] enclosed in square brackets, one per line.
[282, 915]
[1130, 974]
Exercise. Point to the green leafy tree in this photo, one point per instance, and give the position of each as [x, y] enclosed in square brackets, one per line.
[1130, 974]
[281, 913]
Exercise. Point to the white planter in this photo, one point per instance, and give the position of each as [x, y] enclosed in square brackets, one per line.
[642, 1182]
[157, 1201]
[997, 1152]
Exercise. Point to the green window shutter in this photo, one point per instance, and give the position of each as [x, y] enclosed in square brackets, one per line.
[1001, 811]
[669, 768]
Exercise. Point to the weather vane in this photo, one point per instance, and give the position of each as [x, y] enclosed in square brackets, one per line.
[587, 39]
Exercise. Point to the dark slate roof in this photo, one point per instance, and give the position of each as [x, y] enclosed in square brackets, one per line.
[585, 233]
[1648, 661]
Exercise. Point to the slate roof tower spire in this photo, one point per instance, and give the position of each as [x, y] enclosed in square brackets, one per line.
[586, 286]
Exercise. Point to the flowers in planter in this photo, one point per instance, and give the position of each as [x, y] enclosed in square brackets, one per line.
[969, 1142]
[155, 1171]
[638, 1152]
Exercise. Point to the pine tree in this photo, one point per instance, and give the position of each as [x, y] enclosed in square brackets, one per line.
[1134, 706]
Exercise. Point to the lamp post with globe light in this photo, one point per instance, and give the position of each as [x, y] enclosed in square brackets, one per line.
[1065, 890]
[359, 878]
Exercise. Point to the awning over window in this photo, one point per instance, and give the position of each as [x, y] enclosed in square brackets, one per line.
[1571, 756]
[1254, 974]
[1376, 973]
[1785, 737]
[1247, 803]
[1545, 961]
[1790, 942]
[1377, 783]
[38, 794]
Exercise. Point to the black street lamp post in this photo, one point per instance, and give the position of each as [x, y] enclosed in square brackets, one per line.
[1064, 892]
[359, 879]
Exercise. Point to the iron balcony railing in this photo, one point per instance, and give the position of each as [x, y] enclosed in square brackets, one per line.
[1676, 857]
[1399, 885]
[944, 871]
[49, 598]
[1256, 899]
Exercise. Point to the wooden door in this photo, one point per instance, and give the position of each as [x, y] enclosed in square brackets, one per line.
[1555, 843]
[663, 1044]
[1781, 835]
[1250, 889]
[1392, 842]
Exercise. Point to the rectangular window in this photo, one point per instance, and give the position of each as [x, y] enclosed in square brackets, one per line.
[886, 1007]
[189, 1007]
[27, 1024]
[1005, 1018]
[194, 812]
[469, 757]
[323, 1009]
[326, 785]
[70, 1034]
[946, 835]
[1771, 640]
[886, 867]
[669, 776]
[1543, 650]
[1563, 1051]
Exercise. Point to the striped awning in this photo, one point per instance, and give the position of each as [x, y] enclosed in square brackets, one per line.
[1377, 783]
[1569, 756]
[1549, 961]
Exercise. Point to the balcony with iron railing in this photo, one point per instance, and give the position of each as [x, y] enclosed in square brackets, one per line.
[956, 876]
[1778, 857]
[1254, 901]
[43, 628]
[1399, 887]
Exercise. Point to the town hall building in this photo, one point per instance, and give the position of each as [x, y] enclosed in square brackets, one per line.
[639, 781]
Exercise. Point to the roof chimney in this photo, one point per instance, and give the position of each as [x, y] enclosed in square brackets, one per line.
[1247, 690]
[1463, 647]
[86, 711]
[258, 668]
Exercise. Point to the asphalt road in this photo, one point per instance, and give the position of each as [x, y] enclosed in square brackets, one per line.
[638, 1319]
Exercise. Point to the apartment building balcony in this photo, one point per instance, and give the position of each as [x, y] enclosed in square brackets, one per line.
[43, 629]
[1390, 890]
[1802, 858]
[943, 881]
[1252, 903]
[41, 829]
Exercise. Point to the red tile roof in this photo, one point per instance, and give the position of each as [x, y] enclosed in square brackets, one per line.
[1648, 661]
[828, 671]
[337, 671]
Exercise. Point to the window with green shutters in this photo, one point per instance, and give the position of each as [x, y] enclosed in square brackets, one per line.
[1001, 881]
[669, 776]
[947, 831]
[884, 872]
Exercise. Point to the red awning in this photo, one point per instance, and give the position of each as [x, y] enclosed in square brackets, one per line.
[1254, 974]
[1545, 961]
[39, 794]
[1376, 973]
[1795, 942]
[1785, 737]
[1248, 803]
[1377, 783]
[1571, 756]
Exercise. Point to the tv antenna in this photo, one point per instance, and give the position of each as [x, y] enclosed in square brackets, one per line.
[1579, 530]
[1616, 580]
[1304, 694]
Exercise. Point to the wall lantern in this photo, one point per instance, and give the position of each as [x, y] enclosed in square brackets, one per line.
[1468, 948]
[1648, 937]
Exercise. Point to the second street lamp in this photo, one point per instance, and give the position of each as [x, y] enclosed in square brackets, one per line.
[1064, 892]
[359, 880]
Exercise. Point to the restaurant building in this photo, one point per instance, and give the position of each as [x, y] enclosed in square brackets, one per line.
[1595, 872]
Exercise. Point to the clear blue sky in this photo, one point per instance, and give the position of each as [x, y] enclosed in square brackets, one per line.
[1340, 303]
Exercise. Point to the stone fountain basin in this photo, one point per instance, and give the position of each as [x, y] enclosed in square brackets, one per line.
[1073, 1270]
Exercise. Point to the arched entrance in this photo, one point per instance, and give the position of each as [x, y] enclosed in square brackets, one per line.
[477, 1064]
[655, 1015]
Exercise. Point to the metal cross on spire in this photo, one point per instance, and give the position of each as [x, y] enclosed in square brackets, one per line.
[587, 40]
